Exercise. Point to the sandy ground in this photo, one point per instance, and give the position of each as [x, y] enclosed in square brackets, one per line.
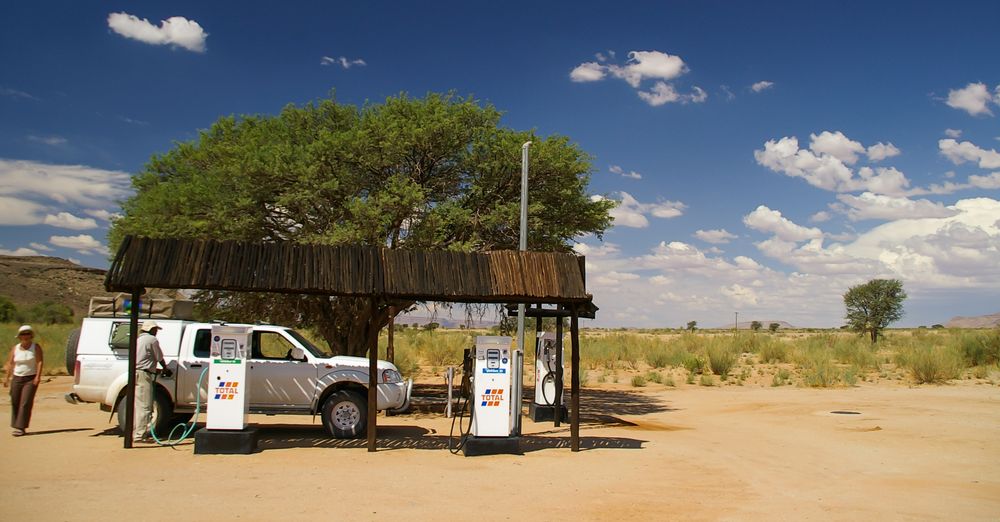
[694, 453]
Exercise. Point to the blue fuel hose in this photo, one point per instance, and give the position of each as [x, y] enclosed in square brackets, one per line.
[187, 429]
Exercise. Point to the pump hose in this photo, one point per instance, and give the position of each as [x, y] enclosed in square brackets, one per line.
[187, 429]
[548, 376]
[464, 392]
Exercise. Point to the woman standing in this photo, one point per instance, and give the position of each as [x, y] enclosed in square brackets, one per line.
[24, 373]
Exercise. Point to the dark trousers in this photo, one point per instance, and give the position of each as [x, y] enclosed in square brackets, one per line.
[22, 398]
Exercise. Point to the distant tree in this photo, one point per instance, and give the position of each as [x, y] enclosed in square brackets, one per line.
[874, 305]
[692, 325]
[8, 311]
[755, 326]
[430, 327]
[937, 326]
[773, 327]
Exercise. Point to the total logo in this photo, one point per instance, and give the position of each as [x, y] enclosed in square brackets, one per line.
[492, 397]
[227, 390]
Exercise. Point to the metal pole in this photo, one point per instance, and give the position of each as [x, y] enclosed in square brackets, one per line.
[133, 337]
[574, 339]
[449, 378]
[559, 370]
[736, 325]
[519, 384]
[372, 377]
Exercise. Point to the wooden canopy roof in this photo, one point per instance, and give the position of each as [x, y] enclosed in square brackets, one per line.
[349, 270]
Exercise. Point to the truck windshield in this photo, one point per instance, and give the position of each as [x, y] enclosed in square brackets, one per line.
[316, 350]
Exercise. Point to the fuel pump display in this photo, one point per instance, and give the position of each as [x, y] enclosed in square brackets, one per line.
[487, 386]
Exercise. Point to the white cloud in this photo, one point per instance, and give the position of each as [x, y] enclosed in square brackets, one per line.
[642, 66]
[766, 220]
[615, 169]
[341, 61]
[876, 206]
[836, 145]
[175, 31]
[603, 250]
[18, 211]
[76, 184]
[881, 151]
[41, 247]
[16, 94]
[727, 92]
[959, 153]
[762, 85]
[587, 72]
[101, 214]
[631, 213]
[974, 99]
[989, 182]
[825, 165]
[953, 133]
[614, 278]
[820, 217]
[739, 294]
[67, 220]
[716, 237]
[83, 243]
[18, 252]
[53, 141]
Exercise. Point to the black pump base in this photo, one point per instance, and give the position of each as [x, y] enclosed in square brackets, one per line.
[225, 442]
[542, 412]
[475, 446]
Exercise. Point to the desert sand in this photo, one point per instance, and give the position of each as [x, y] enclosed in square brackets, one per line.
[691, 453]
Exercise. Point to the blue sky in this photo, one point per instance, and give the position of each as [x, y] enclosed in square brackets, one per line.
[766, 157]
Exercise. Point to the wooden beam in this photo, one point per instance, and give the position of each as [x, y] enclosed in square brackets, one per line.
[133, 337]
[574, 426]
[372, 378]
[559, 372]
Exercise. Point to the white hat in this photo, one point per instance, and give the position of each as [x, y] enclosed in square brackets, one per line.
[24, 328]
[147, 326]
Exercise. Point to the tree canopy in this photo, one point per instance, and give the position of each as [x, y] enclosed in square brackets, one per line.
[438, 172]
[874, 305]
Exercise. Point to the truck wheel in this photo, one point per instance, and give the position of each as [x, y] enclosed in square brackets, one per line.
[163, 417]
[71, 342]
[345, 415]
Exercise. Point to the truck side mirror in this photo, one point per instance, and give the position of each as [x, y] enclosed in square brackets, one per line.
[298, 354]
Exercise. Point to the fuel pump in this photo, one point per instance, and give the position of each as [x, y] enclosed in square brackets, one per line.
[228, 389]
[488, 397]
[548, 369]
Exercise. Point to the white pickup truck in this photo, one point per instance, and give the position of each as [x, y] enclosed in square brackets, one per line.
[287, 375]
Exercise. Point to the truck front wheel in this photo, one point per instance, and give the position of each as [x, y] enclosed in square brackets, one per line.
[345, 414]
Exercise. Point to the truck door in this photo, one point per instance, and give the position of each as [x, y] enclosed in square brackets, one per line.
[189, 368]
[277, 380]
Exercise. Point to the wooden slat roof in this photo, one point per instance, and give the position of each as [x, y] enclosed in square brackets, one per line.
[349, 270]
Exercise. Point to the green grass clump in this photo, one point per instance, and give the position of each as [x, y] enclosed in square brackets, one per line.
[781, 378]
[721, 359]
[706, 380]
[656, 377]
[774, 351]
[638, 381]
[978, 348]
[930, 364]
[693, 364]
[819, 372]
[669, 381]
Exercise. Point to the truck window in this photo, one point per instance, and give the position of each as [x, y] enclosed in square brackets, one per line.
[203, 343]
[271, 345]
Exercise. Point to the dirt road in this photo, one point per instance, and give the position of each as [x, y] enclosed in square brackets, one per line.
[694, 453]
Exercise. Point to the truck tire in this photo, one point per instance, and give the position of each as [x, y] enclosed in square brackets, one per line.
[71, 343]
[345, 415]
[163, 414]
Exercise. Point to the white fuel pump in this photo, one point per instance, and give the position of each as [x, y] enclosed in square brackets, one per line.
[493, 410]
[228, 385]
[547, 370]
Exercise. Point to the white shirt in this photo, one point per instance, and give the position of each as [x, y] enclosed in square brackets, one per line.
[25, 363]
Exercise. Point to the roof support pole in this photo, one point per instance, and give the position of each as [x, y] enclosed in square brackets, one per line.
[559, 371]
[574, 334]
[133, 336]
[372, 377]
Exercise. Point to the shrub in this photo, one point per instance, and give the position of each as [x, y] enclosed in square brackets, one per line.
[8, 311]
[854, 351]
[693, 364]
[781, 378]
[930, 364]
[774, 351]
[638, 381]
[654, 377]
[706, 380]
[721, 359]
[669, 381]
[819, 372]
[48, 313]
[978, 348]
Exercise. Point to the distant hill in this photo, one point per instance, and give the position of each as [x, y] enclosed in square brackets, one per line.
[982, 321]
[28, 280]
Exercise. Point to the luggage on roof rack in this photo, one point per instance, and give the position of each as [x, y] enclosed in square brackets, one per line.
[151, 306]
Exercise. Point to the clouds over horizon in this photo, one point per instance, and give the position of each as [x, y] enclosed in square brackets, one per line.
[974, 98]
[175, 31]
[658, 67]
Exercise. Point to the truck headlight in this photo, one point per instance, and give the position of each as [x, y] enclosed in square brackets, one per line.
[391, 376]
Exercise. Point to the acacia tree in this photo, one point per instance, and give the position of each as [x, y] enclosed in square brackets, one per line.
[874, 305]
[438, 172]
[756, 325]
